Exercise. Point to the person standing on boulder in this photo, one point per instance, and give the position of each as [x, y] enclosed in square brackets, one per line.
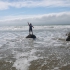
[30, 28]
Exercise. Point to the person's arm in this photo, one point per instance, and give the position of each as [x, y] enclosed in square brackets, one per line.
[32, 26]
[28, 23]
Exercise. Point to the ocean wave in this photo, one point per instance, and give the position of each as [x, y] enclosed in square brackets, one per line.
[21, 28]
[48, 51]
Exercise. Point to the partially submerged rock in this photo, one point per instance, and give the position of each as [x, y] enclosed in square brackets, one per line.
[31, 36]
[68, 38]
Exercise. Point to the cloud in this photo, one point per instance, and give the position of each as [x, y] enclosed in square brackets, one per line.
[52, 18]
[6, 4]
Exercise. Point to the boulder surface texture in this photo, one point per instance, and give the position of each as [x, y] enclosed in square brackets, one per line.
[31, 36]
[68, 38]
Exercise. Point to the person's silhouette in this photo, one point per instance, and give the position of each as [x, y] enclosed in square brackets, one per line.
[30, 28]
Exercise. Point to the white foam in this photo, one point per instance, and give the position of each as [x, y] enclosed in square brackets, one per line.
[56, 68]
[23, 60]
[21, 64]
[18, 28]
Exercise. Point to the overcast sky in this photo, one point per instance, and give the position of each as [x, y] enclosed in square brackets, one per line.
[38, 12]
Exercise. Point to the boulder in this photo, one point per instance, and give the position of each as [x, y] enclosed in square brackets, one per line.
[31, 36]
[68, 38]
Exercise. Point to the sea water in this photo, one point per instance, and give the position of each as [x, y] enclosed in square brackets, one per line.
[49, 51]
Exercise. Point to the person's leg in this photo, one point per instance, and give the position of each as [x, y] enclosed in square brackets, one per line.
[29, 31]
[32, 32]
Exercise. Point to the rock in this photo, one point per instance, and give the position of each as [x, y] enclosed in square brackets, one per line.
[68, 38]
[68, 34]
[31, 36]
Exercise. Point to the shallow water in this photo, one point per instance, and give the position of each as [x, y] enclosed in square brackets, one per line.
[49, 51]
